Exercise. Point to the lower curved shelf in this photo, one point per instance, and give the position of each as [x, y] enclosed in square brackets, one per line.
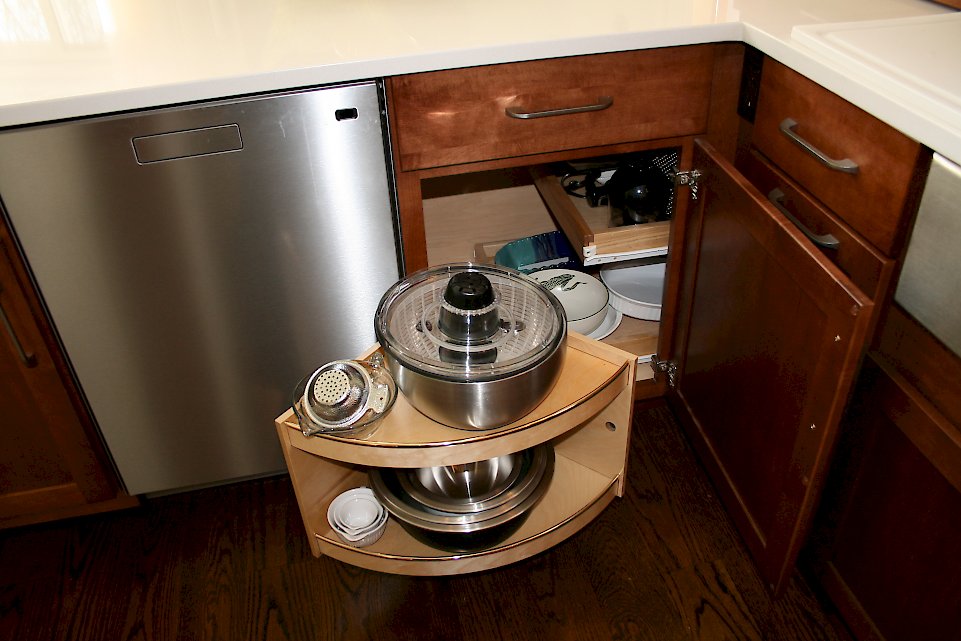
[576, 496]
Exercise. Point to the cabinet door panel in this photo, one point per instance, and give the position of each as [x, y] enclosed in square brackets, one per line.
[50, 466]
[768, 348]
[899, 532]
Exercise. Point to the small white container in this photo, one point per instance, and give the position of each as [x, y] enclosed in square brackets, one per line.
[636, 291]
[357, 517]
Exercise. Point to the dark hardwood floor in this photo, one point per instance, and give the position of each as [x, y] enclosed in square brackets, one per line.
[661, 564]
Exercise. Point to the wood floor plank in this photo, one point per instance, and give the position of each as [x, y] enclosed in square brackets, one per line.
[675, 495]
[711, 605]
[628, 582]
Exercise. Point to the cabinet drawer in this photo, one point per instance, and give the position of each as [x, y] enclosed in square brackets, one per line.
[460, 116]
[873, 199]
[867, 268]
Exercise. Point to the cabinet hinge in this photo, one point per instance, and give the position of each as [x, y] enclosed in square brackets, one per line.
[665, 367]
[688, 179]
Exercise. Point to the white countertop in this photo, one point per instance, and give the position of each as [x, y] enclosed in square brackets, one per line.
[68, 58]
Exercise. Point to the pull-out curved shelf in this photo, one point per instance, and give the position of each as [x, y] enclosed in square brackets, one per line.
[586, 418]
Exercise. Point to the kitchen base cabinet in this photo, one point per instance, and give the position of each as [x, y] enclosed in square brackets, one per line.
[586, 418]
[769, 298]
[885, 546]
[457, 127]
[52, 464]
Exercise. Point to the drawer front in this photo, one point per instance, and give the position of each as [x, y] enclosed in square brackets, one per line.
[863, 264]
[459, 116]
[872, 200]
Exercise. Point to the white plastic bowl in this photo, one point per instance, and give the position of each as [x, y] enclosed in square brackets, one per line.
[636, 291]
[583, 297]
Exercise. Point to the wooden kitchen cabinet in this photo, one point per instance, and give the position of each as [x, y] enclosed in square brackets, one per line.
[586, 419]
[783, 275]
[451, 130]
[762, 330]
[885, 547]
[52, 464]
[866, 170]
[467, 172]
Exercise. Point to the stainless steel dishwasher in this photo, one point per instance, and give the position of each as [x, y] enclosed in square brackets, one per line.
[197, 261]
[930, 280]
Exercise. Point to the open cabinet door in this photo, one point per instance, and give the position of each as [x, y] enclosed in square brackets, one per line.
[769, 336]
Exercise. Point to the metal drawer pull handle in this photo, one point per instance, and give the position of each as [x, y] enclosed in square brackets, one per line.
[602, 103]
[827, 241]
[30, 360]
[846, 165]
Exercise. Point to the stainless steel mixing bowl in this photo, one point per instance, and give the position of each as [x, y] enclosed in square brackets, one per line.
[479, 405]
[433, 527]
[470, 481]
[532, 482]
[474, 487]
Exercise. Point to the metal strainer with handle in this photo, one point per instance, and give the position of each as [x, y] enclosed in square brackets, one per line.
[344, 397]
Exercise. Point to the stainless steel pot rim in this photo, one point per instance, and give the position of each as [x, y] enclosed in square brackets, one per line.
[506, 490]
[412, 515]
[534, 353]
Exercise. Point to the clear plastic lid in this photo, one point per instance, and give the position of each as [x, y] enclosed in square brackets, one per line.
[419, 322]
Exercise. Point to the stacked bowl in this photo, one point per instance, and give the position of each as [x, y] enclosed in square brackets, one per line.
[462, 508]
[357, 517]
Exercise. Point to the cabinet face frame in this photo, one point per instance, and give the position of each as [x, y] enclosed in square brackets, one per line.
[717, 361]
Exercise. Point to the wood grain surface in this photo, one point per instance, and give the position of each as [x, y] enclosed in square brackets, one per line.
[663, 563]
[656, 93]
[878, 199]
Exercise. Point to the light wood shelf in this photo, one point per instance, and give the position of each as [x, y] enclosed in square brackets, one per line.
[590, 379]
[576, 494]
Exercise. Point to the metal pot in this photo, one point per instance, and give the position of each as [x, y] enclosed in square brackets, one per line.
[496, 380]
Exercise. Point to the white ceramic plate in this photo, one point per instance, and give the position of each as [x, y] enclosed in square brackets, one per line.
[611, 321]
[636, 291]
